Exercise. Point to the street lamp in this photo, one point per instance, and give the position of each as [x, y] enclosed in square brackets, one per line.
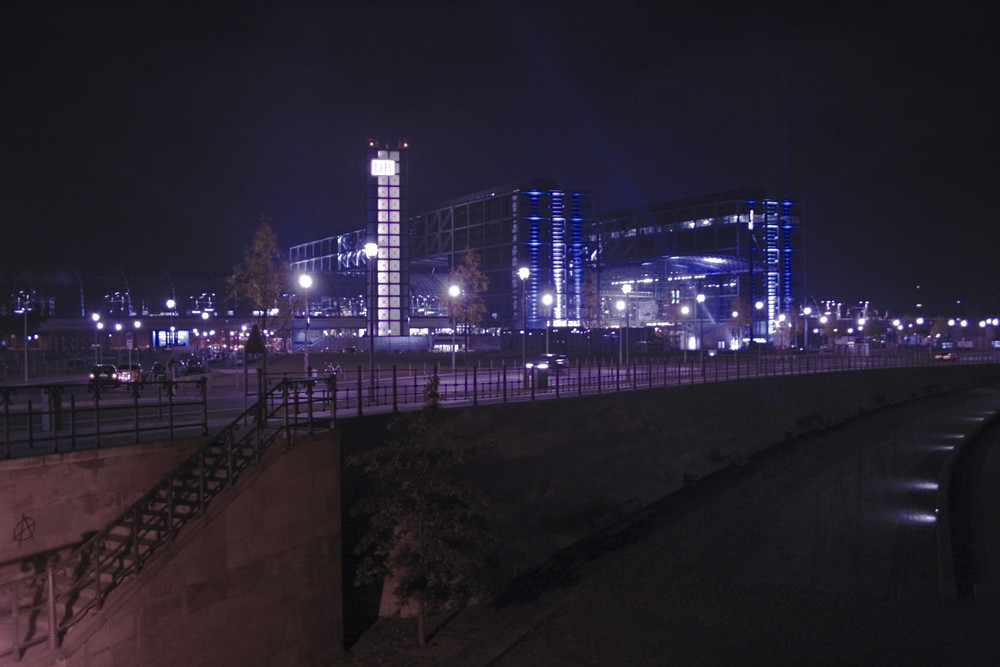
[805, 327]
[620, 306]
[453, 292]
[371, 251]
[547, 302]
[701, 321]
[685, 311]
[305, 282]
[523, 274]
[98, 325]
[626, 289]
[701, 332]
[24, 310]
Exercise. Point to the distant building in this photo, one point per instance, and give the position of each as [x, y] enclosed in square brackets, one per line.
[738, 250]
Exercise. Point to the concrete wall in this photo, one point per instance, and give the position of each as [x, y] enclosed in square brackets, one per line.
[257, 581]
[558, 469]
[67, 495]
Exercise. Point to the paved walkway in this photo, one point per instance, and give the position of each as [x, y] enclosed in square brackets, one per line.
[821, 551]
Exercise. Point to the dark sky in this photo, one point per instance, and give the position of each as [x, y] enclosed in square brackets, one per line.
[156, 134]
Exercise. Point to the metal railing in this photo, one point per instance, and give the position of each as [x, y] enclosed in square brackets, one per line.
[362, 390]
[40, 608]
[51, 418]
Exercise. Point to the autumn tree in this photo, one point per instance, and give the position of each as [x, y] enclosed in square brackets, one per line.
[590, 312]
[742, 319]
[262, 281]
[426, 527]
[467, 308]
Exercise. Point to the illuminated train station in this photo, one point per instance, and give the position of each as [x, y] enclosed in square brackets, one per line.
[672, 265]
[717, 271]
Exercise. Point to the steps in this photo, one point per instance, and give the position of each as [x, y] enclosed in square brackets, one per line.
[38, 610]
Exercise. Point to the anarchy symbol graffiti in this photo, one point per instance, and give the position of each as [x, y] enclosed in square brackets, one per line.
[25, 529]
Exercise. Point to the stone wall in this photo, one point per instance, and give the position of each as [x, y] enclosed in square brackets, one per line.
[64, 496]
[560, 469]
[255, 582]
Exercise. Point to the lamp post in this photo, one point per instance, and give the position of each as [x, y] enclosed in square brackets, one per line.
[701, 322]
[453, 292]
[685, 311]
[805, 327]
[371, 252]
[24, 311]
[96, 317]
[627, 289]
[701, 332]
[547, 302]
[305, 282]
[523, 274]
[620, 306]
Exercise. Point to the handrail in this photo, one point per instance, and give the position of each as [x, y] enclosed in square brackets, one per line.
[128, 542]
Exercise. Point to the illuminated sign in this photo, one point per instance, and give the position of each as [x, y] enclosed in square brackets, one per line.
[383, 167]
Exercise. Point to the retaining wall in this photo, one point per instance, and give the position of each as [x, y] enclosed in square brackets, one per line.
[558, 470]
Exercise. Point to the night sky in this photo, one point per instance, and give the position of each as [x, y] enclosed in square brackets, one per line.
[156, 134]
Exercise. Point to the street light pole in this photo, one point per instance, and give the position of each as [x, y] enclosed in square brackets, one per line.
[547, 302]
[96, 317]
[523, 274]
[701, 332]
[627, 289]
[620, 306]
[805, 327]
[453, 292]
[305, 282]
[25, 310]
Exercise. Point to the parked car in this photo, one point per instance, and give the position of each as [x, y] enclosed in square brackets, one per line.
[105, 375]
[194, 366]
[547, 362]
[131, 373]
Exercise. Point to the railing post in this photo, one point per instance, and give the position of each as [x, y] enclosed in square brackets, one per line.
[332, 384]
[284, 399]
[135, 538]
[505, 382]
[599, 374]
[72, 422]
[201, 474]
[171, 390]
[203, 388]
[475, 384]
[361, 410]
[395, 388]
[31, 428]
[309, 405]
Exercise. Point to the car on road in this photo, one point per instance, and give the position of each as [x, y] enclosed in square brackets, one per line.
[946, 356]
[547, 362]
[105, 375]
[131, 373]
[194, 366]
